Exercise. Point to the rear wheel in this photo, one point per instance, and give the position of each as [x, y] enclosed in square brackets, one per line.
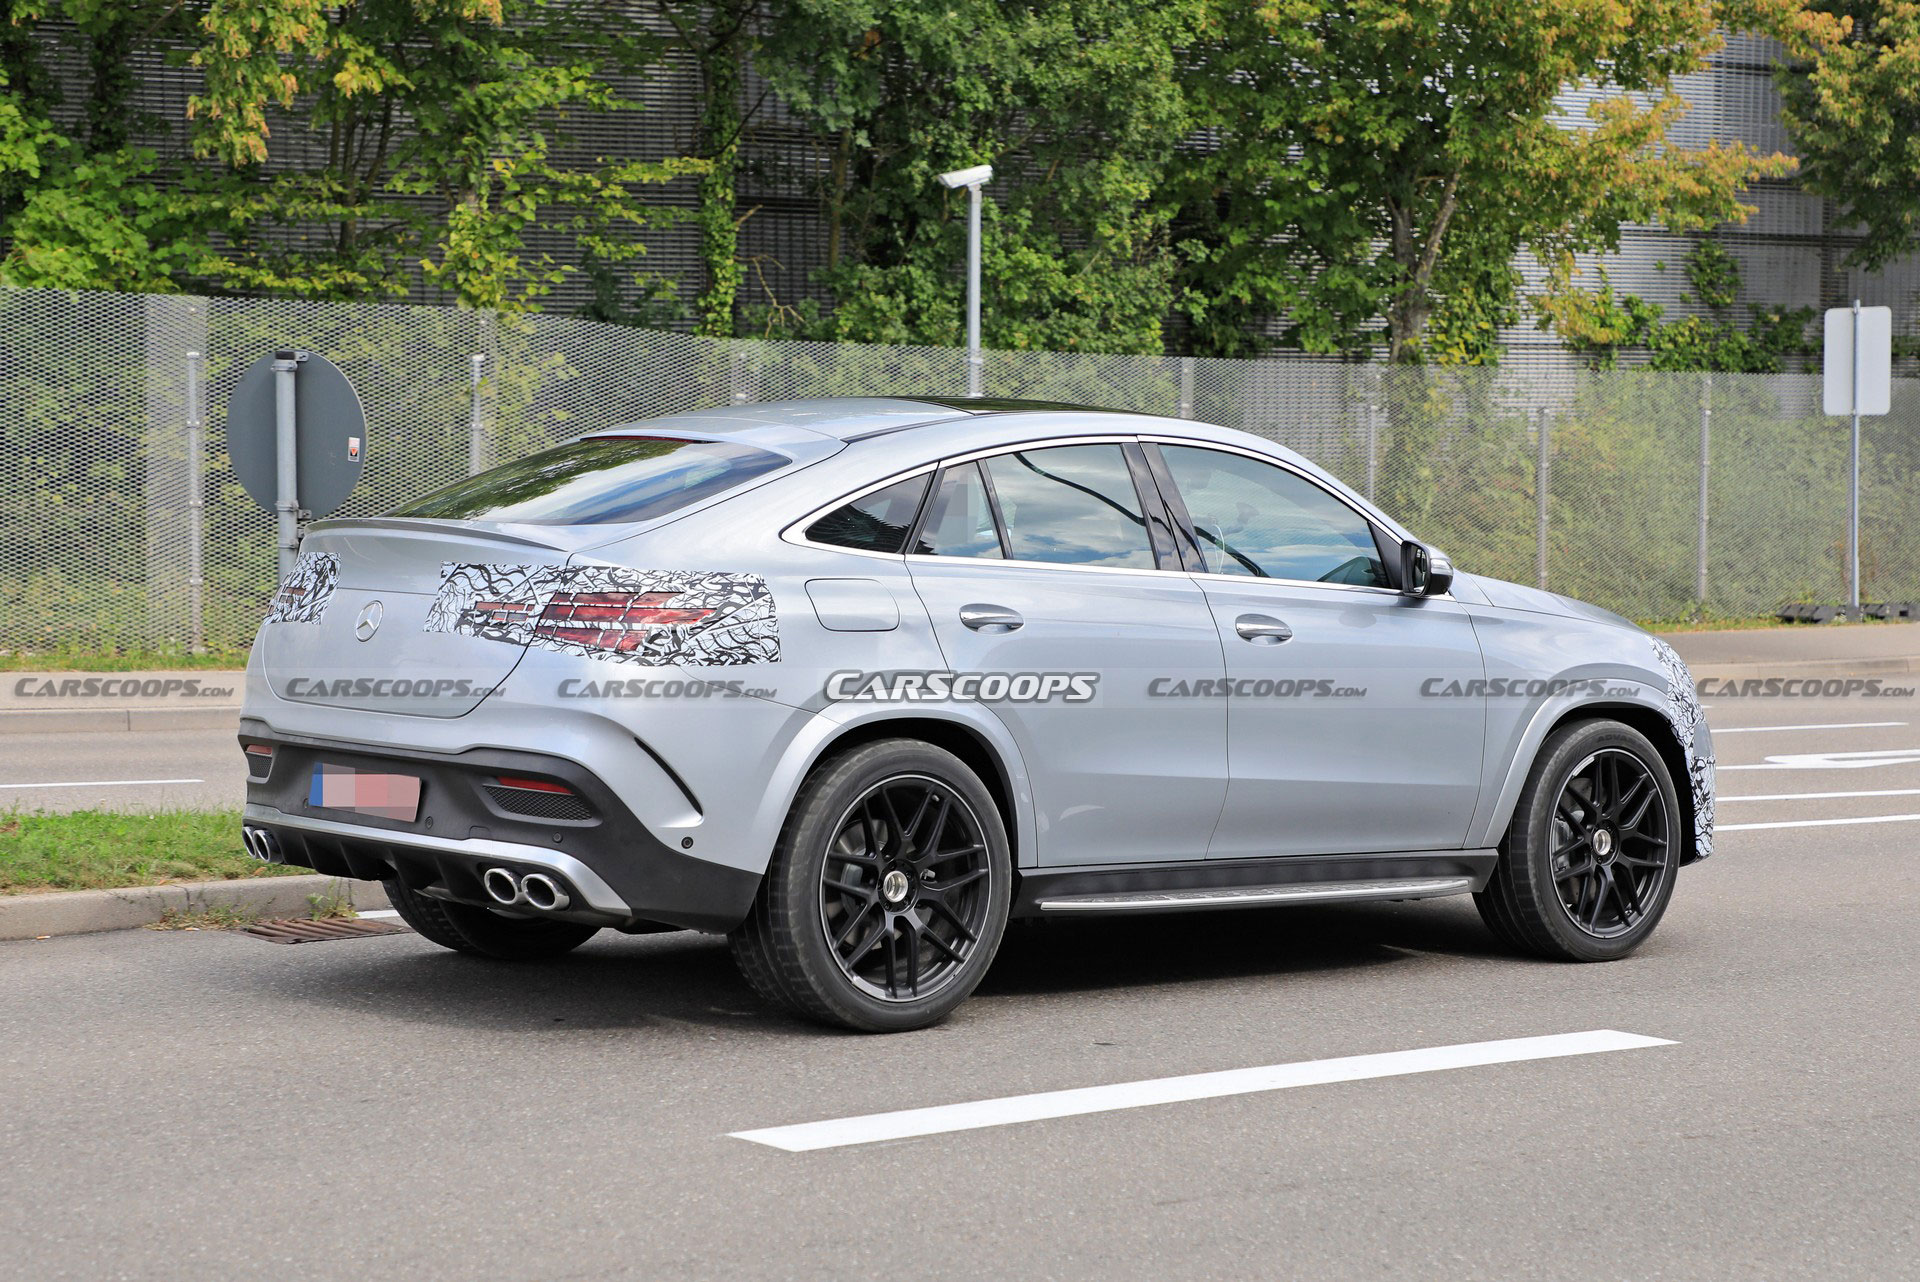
[467, 929]
[1588, 864]
[888, 894]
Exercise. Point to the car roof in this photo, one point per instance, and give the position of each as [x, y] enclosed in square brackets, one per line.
[843, 418]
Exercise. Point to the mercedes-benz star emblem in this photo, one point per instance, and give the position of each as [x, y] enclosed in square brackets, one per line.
[368, 621]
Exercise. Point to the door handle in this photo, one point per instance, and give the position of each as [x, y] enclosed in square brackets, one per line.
[990, 618]
[1262, 629]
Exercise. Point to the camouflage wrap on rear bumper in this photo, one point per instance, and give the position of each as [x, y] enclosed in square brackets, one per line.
[505, 602]
[1688, 719]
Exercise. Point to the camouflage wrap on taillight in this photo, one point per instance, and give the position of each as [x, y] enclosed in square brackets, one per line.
[1688, 720]
[303, 597]
[505, 603]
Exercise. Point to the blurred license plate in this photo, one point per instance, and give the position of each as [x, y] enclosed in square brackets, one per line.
[363, 792]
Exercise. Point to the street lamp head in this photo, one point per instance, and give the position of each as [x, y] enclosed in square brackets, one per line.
[968, 177]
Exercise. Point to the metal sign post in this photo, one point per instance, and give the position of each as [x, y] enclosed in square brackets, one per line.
[1858, 380]
[295, 434]
[286, 468]
[972, 179]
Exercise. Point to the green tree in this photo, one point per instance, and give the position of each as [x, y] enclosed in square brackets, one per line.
[1381, 162]
[1078, 106]
[1850, 104]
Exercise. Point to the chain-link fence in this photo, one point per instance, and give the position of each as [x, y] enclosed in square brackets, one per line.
[121, 522]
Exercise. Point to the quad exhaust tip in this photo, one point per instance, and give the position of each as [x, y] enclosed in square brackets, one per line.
[542, 892]
[261, 844]
[534, 890]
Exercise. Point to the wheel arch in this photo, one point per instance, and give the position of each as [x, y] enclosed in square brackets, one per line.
[1649, 720]
[992, 756]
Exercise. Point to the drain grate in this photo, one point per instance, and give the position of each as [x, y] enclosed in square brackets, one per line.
[298, 930]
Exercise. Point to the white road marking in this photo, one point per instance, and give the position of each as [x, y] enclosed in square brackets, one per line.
[1819, 823]
[1834, 760]
[1820, 796]
[378, 912]
[1830, 725]
[100, 783]
[944, 1118]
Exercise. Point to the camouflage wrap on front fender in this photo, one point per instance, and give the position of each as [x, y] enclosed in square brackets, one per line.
[1688, 720]
[303, 597]
[504, 602]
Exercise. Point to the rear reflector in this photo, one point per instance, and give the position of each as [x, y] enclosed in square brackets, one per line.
[617, 621]
[532, 785]
[260, 749]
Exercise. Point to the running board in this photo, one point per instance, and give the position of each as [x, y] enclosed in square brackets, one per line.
[1254, 896]
[1250, 883]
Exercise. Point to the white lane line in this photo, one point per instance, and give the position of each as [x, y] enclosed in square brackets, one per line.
[1819, 823]
[100, 783]
[1833, 760]
[944, 1118]
[1829, 725]
[1820, 796]
[378, 912]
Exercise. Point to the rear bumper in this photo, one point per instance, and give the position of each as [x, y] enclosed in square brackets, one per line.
[616, 872]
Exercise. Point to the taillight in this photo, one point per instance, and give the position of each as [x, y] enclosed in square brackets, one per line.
[617, 621]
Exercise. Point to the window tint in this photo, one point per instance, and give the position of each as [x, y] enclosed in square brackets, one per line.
[876, 522]
[960, 520]
[606, 480]
[1257, 519]
[1073, 504]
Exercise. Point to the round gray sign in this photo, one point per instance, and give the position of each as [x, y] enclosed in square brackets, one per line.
[329, 426]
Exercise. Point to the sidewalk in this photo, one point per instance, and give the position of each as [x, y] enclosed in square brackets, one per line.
[1801, 650]
[36, 702]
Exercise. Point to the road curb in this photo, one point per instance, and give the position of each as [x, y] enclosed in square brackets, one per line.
[55, 721]
[80, 912]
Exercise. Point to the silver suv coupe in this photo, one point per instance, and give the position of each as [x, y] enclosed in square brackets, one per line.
[856, 681]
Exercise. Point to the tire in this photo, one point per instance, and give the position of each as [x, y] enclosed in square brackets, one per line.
[468, 929]
[1577, 881]
[874, 919]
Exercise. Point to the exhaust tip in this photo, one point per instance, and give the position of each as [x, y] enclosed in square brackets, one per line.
[500, 886]
[260, 843]
[543, 892]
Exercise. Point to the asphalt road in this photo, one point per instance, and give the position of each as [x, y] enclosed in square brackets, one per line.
[207, 1104]
[122, 770]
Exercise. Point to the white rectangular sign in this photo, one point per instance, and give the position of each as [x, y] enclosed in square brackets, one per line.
[1876, 361]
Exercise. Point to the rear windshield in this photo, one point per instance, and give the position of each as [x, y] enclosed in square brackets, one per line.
[607, 480]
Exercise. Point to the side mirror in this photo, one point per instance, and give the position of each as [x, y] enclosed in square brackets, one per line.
[1423, 572]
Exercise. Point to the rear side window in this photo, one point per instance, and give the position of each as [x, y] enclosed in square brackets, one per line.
[607, 480]
[876, 522]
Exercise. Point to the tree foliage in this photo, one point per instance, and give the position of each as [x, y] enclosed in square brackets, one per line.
[1381, 162]
[1214, 175]
[1852, 102]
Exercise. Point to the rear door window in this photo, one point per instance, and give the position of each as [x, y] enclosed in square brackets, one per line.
[959, 521]
[1072, 504]
[604, 480]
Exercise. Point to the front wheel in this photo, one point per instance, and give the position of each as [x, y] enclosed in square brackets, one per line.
[1589, 861]
[888, 894]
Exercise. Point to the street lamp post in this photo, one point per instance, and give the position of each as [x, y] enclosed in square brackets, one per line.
[972, 179]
